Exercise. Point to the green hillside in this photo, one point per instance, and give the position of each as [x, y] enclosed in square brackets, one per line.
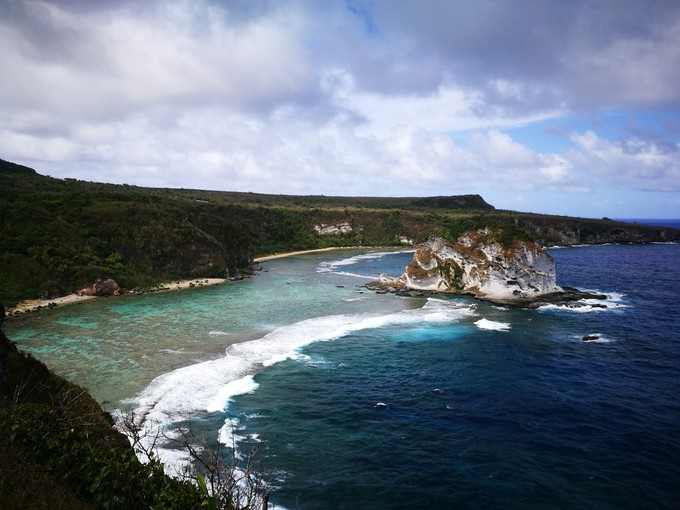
[59, 235]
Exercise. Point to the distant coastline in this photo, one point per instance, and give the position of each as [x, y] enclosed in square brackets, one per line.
[265, 258]
[652, 222]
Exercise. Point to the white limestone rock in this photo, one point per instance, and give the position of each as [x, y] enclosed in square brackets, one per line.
[333, 230]
[477, 263]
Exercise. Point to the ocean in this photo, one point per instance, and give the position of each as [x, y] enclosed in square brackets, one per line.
[655, 222]
[354, 399]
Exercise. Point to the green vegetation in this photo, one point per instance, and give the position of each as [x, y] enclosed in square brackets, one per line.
[57, 236]
[59, 450]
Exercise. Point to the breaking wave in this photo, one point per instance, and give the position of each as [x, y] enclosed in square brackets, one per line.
[208, 387]
[492, 325]
[613, 302]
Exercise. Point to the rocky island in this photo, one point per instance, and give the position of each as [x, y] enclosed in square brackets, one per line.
[487, 265]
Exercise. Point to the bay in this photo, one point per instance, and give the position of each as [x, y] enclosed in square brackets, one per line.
[358, 400]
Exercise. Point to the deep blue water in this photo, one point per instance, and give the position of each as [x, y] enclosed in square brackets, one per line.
[444, 414]
[358, 400]
[657, 222]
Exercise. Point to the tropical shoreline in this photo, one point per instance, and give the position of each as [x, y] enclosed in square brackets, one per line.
[265, 258]
[34, 305]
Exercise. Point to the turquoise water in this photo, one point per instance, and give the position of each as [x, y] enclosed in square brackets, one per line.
[359, 400]
[116, 346]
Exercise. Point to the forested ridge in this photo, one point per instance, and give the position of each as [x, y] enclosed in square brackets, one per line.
[58, 235]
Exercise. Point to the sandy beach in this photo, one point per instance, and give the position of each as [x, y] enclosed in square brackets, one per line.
[300, 252]
[33, 305]
[39, 304]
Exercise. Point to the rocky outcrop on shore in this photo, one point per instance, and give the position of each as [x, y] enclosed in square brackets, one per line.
[478, 264]
[108, 287]
[336, 229]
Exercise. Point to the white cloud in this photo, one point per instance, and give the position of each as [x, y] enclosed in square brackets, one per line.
[499, 150]
[303, 97]
[447, 109]
[634, 164]
[637, 65]
[182, 54]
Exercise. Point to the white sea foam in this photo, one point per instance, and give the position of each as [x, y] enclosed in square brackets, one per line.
[318, 362]
[255, 416]
[332, 265]
[614, 301]
[228, 433]
[233, 388]
[210, 385]
[351, 300]
[219, 333]
[492, 325]
[354, 275]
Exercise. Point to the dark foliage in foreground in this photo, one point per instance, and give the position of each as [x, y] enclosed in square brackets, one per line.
[59, 450]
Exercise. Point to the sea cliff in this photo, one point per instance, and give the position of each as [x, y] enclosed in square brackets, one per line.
[487, 265]
[477, 263]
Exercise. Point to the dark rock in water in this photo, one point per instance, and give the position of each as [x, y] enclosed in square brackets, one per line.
[570, 297]
[590, 338]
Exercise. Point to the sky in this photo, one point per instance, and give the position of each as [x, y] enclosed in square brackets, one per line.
[550, 106]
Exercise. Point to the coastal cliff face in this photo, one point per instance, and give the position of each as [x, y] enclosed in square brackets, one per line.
[479, 264]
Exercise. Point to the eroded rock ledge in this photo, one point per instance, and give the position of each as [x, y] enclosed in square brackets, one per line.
[478, 264]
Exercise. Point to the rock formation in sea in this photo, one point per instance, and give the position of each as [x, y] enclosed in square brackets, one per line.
[479, 264]
[487, 265]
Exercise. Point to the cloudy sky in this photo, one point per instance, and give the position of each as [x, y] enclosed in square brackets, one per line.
[568, 107]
